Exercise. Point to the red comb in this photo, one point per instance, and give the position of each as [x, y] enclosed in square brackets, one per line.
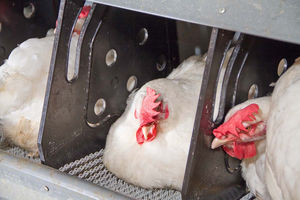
[150, 107]
[233, 126]
[84, 12]
[236, 121]
[150, 114]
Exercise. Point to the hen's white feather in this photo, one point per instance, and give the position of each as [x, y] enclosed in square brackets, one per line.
[253, 169]
[161, 162]
[23, 79]
[283, 136]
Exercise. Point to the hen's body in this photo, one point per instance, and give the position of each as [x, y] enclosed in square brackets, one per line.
[274, 173]
[283, 137]
[161, 162]
[253, 169]
[23, 79]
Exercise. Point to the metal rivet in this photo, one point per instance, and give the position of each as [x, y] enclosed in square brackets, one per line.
[100, 106]
[253, 91]
[29, 11]
[46, 188]
[131, 83]
[161, 63]
[222, 10]
[111, 57]
[142, 36]
[282, 66]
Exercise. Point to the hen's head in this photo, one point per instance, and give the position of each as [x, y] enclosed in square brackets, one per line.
[238, 133]
[80, 20]
[152, 110]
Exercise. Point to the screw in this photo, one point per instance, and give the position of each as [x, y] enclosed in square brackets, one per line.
[0, 26]
[222, 10]
[46, 188]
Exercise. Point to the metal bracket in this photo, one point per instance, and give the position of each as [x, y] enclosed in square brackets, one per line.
[206, 176]
[70, 129]
[211, 174]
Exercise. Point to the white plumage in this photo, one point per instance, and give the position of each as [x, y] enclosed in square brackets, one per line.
[23, 79]
[283, 137]
[161, 162]
[253, 169]
[274, 173]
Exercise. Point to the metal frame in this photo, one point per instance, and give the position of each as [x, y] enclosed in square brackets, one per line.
[59, 144]
[206, 176]
[211, 174]
[23, 179]
[65, 134]
[69, 127]
[269, 18]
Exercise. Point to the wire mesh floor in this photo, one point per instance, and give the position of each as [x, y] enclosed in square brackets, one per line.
[92, 169]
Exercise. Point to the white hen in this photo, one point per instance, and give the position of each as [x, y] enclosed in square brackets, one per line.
[253, 169]
[283, 137]
[23, 79]
[160, 162]
[275, 173]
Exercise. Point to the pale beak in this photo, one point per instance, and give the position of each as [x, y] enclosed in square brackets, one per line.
[218, 142]
[145, 132]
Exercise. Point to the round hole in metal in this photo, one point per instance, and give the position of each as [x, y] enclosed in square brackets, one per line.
[111, 57]
[253, 91]
[197, 51]
[131, 83]
[161, 63]
[142, 36]
[282, 66]
[29, 11]
[100, 106]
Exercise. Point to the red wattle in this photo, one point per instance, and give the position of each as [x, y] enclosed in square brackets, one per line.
[151, 135]
[241, 150]
[140, 136]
